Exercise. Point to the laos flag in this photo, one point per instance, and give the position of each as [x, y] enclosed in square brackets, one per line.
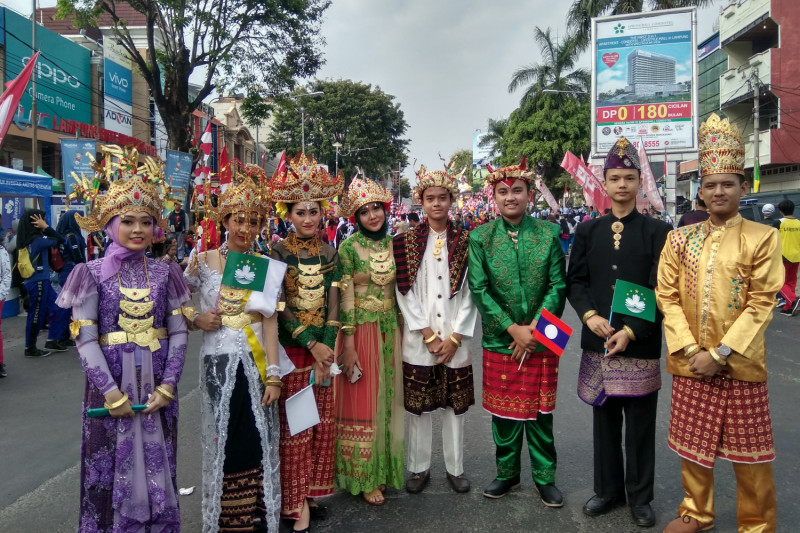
[552, 332]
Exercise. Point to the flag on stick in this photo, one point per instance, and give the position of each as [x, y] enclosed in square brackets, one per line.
[756, 176]
[9, 100]
[634, 300]
[243, 271]
[552, 332]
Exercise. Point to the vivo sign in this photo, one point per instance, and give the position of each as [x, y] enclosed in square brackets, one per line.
[117, 81]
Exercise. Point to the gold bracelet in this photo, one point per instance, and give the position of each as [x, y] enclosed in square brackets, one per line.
[280, 306]
[165, 393]
[455, 341]
[278, 383]
[335, 284]
[298, 330]
[334, 323]
[428, 341]
[691, 350]
[720, 361]
[588, 314]
[118, 403]
[629, 331]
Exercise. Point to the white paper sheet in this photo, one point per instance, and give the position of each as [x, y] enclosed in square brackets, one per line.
[301, 411]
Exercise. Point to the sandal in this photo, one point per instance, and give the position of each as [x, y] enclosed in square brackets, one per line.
[316, 511]
[371, 497]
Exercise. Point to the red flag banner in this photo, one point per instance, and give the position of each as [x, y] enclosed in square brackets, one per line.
[9, 100]
[547, 195]
[225, 174]
[648, 181]
[592, 185]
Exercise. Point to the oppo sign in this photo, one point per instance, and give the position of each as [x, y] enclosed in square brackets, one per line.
[53, 74]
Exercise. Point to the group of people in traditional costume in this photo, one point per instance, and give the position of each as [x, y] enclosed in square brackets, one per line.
[384, 326]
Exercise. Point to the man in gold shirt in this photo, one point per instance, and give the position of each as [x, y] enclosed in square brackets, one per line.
[717, 282]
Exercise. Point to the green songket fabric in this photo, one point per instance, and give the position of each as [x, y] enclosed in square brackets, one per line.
[511, 284]
[508, 436]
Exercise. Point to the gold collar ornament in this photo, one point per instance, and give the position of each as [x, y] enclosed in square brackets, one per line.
[617, 228]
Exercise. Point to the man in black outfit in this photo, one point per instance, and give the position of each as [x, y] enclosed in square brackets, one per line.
[178, 222]
[620, 373]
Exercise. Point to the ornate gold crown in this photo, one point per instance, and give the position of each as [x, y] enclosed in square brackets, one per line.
[303, 180]
[434, 178]
[516, 172]
[721, 147]
[243, 196]
[362, 191]
[131, 187]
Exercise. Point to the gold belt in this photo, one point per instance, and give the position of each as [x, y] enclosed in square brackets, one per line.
[374, 305]
[146, 339]
[241, 320]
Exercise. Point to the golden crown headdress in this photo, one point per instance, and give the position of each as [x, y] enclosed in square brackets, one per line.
[721, 147]
[360, 192]
[132, 185]
[513, 172]
[303, 180]
[243, 196]
[434, 178]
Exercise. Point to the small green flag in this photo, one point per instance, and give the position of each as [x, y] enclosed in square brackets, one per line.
[756, 176]
[634, 300]
[244, 271]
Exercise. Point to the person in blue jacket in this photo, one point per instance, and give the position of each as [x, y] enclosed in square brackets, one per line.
[35, 235]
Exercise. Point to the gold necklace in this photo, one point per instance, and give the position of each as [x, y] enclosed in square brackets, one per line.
[135, 293]
[438, 244]
[617, 228]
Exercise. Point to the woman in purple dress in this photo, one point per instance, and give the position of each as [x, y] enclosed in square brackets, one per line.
[131, 337]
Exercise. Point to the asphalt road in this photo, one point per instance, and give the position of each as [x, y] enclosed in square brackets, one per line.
[40, 409]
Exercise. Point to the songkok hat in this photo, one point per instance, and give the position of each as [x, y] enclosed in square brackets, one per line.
[434, 178]
[622, 155]
[508, 174]
[132, 185]
[363, 191]
[768, 210]
[721, 147]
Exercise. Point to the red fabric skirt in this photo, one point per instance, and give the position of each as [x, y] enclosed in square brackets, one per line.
[520, 394]
[720, 417]
[306, 458]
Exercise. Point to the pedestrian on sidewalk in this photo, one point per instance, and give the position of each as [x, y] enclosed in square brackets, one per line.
[131, 338]
[5, 287]
[620, 374]
[790, 249]
[516, 269]
[439, 320]
[717, 282]
[38, 237]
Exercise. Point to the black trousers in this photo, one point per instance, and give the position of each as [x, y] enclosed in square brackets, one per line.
[636, 475]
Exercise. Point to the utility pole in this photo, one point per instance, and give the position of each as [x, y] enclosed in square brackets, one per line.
[34, 114]
[756, 89]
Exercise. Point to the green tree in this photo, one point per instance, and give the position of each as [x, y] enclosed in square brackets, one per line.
[405, 188]
[494, 138]
[367, 122]
[461, 161]
[581, 12]
[236, 44]
[556, 71]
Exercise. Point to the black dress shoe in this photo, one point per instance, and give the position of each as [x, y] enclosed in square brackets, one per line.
[597, 505]
[459, 483]
[500, 487]
[643, 515]
[550, 495]
[417, 482]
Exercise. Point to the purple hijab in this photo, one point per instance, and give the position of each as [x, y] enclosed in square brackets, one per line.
[116, 253]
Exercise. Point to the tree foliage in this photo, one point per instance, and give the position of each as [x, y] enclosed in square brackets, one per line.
[405, 188]
[258, 47]
[367, 122]
[494, 138]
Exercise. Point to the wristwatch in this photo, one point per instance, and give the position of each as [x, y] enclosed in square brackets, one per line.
[724, 351]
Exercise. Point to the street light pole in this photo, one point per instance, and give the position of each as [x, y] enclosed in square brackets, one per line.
[303, 116]
[337, 145]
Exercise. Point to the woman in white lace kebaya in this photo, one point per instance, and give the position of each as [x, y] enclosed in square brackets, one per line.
[240, 376]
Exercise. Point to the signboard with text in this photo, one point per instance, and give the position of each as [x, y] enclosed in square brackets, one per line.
[643, 81]
[75, 158]
[117, 99]
[177, 173]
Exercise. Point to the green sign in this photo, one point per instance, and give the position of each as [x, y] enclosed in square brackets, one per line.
[63, 75]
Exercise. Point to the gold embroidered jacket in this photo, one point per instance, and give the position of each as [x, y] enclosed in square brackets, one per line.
[717, 285]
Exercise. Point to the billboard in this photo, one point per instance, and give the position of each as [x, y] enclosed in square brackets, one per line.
[644, 71]
[75, 158]
[478, 153]
[177, 172]
[117, 97]
[63, 81]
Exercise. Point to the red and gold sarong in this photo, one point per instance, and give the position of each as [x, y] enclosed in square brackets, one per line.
[520, 394]
[306, 458]
[720, 417]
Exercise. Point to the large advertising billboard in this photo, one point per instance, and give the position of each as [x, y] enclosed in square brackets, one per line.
[63, 81]
[75, 158]
[117, 100]
[643, 81]
[177, 173]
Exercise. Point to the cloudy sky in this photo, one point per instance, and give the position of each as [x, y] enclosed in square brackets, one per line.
[448, 62]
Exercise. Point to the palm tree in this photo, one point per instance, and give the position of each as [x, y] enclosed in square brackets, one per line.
[554, 72]
[494, 137]
[581, 13]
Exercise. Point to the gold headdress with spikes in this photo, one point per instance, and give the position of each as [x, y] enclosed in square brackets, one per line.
[247, 194]
[510, 173]
[133, 185]
[721, 147]
[360, 192]
[434, 178]
[303, 180]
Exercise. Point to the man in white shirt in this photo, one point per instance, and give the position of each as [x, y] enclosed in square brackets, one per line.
[439, 319]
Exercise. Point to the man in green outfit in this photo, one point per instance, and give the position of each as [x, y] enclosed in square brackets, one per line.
[516, 269]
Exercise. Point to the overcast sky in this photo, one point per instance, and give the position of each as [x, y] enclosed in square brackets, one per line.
[447, 62]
